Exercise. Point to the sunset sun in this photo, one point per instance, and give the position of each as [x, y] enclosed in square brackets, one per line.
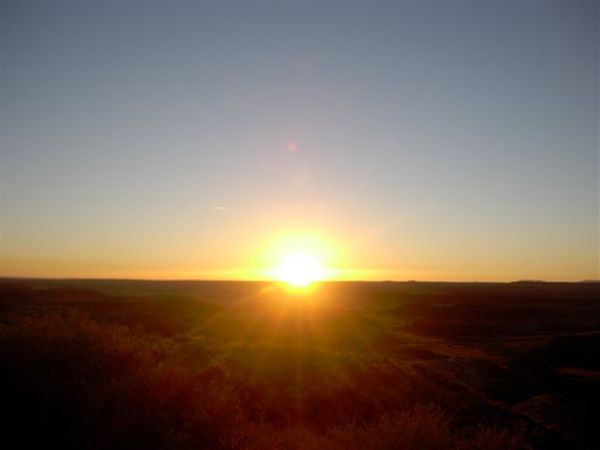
[299, 269]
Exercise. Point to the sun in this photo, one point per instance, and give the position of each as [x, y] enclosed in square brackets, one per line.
[299, 269]
[300, 260]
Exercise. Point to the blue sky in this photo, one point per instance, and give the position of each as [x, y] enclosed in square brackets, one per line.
[429, 140]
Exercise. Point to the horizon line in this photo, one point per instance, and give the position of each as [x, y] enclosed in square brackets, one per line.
[232, 280]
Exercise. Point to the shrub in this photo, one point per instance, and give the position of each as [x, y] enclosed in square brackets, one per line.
[71, 382]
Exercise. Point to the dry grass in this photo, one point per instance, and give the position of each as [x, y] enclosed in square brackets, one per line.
[77, 383]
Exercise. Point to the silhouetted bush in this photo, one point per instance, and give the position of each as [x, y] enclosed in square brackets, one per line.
[79, 384]
[71, 382]
[419, 428]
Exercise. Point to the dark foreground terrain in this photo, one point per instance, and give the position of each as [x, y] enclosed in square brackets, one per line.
[216, 365]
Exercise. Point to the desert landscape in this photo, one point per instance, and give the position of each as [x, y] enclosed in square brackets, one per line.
[248, 365]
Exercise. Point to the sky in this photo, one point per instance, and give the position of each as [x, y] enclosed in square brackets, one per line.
[403, 140]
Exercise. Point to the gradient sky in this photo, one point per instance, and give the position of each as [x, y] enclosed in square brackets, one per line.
[430, 140]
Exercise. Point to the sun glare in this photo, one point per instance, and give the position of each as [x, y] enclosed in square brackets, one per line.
[299, 269]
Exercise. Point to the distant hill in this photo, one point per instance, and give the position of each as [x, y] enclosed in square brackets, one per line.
[528, 281]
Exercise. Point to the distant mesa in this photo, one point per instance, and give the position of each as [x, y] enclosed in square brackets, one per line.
[528, 281]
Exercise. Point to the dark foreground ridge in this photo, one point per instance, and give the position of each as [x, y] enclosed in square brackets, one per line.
[107, 364]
